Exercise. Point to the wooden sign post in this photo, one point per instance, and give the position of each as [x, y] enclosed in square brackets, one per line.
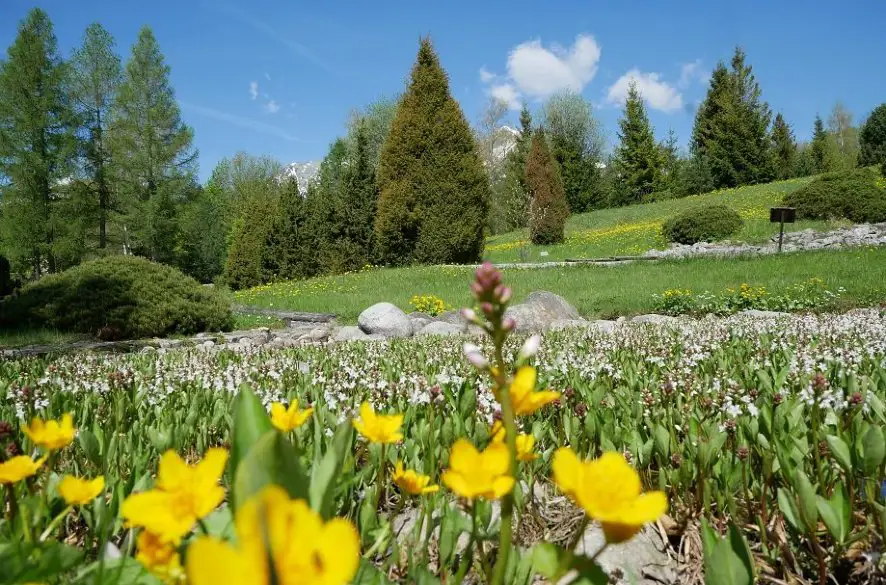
[782, 215]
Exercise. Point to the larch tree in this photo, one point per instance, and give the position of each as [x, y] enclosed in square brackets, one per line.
[151, 146]
[37, 147]
[434, 192]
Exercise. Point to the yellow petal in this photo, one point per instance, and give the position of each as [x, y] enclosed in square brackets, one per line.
[524, 381]
[463, 456]
[155, 511]
[172, 472]
[501, 485]
[339, 551]
[211, 468]
[496, 459]
[458, 484]
[567, 470]
[212, 562]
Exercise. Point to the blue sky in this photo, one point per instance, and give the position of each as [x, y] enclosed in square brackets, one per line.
[279, 78]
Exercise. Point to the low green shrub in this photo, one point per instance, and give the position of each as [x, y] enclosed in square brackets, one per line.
[5, 277]
[118, 297]
[702, 224]
[809, 294]
[852, 195]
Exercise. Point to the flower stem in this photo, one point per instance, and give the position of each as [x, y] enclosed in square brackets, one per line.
[469, 551]
[381, 478]
[507, 503]
[55, 522]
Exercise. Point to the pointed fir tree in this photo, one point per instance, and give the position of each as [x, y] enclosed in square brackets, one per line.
[285, 244]
[548, 209]
[638, 159]
[872, 138]
[151, 146]
[784, 149]
[37, 145]
[671, 163]
[434, 190]
[732, 127]
[95, 77]
[819, 147]
[516, 163]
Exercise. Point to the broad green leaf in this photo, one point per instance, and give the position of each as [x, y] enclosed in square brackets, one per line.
[272, 460]
[874, 450]
[835, 513]
[368, 574]
[726, 561]
[806, 500]
[325, 471]
[251, 422]
[788, 507]
[840, 450]
[552, 562]
[91, 447]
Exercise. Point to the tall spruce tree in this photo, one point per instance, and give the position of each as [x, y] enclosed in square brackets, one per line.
[37, 146]
[638, 159]
[434, 191]
[784, 148]
[95, 77]
[354, 215]
[820, 147]
[517, 155]
[283, 257]
[548, 209]
[732, 127]
[151, 146]
[872, 138]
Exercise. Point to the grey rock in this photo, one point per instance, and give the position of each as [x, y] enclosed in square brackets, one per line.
[319, 334]
[643, 560]
[440, 328]
[148, 349]
[207, 344]
[540, 310]
[453, 317]
[419, 315]
[385, 319]
[279, 342]
[763, 314]
[561, 324]
[419, 323]
[349, 333]
[655, 319]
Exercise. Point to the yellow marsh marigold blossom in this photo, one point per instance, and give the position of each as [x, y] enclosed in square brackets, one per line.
[183, 494]
[473, 474]
[412, 482]
[159, 557]
[525, 443]
[379, 428]
[79, 492]
[608, 489]
[18, 468]
[524, 398]
[288, 419]
[51, 434]
[304, 550]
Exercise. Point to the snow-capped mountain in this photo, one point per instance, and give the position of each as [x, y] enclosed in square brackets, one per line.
[505, 140]
[303, 173]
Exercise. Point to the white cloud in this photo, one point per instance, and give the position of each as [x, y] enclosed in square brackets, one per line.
[253, 89]
[506, 93]
[486, 76]
[658, 94]
[272, 107]
[540, 72]
[267, 76]
[692, 71]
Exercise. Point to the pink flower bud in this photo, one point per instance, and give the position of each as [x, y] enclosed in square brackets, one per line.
[505, 295]
[508, 324]
[469, 315]
[475, 356]
[530, 348]
[487, 308]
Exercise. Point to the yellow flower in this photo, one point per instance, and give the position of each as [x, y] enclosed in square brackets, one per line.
[525, 443]
[183, 494]
[412, 482]
[287, 419]
[379, 428]
[473, 474]
[18, 468]
[78, 492]
[51, 434]
[608, 489]
[159, 557]
[304, 550]
[524, 398]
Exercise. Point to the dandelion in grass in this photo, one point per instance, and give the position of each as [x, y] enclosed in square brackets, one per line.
[78, 491]
[379, 428]
[412, 482]
[288, 419]
[474, 474]
[18, 468]
[608, 490]
[183, 495]
[51, 435]
[278, 541]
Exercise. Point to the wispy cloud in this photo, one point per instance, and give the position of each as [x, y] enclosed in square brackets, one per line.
[272, 107]
[284, 39]
[253, 90]
[242, 122]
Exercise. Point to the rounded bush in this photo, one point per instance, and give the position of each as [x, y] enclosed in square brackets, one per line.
[852, 195]
[118, 297]
[702, 224]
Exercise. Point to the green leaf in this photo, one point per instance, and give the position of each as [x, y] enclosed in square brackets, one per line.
[727, 561]
[91, 447]
[788, 507]
[662, 441]
[806, 500]
[272, 460]
[251, 422]
[368, 574]
[835, 513]
[220, 523]
[22, 563]
[874, 450]
[840, 450]
[324, 473]
[552, 562]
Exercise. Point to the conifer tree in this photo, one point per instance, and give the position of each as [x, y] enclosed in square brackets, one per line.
[548, 209]
[820, 147]
[285, 245]
[37, 145]
[151, 146]
[732, 127]
[516, 163]
[434, 196]
[784, 148]
[95, 77]
[872, 138]
[638, 159]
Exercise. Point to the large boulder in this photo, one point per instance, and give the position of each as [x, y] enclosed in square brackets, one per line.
[349, 333]
[440, 328]
[642, 560]
[385, 319]
[541, 310]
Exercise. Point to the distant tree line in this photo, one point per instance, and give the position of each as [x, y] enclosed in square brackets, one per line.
[95, 159]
